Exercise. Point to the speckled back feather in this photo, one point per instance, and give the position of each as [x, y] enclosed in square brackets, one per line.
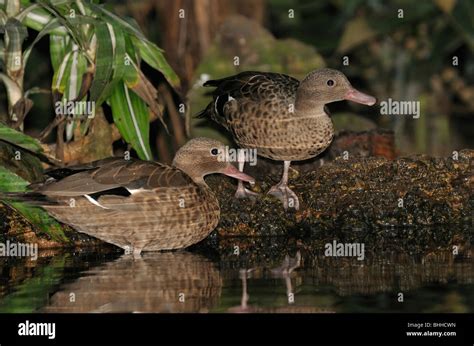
[251, 86]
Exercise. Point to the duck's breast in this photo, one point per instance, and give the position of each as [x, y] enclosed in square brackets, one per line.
[187, 217]
[279, 135]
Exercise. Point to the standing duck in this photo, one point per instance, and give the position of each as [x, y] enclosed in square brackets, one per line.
[140, 205]
[282, 118]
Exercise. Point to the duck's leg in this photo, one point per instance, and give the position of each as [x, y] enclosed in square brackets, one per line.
[242, 192]
[245, 297]
[137, 252]
[283, 192]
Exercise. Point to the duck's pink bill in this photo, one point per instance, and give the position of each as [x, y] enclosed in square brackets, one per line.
[359, 97]
[233, 172]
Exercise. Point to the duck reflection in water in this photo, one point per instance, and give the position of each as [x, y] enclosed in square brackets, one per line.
[283, 271]
[157, 282]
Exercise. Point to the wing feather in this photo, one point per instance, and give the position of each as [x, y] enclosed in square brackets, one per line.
[113, 174]
[248, 87]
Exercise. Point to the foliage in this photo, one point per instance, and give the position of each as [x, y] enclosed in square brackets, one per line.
[96, 57]
[10, 182]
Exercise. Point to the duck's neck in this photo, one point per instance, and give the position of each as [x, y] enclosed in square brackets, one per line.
[307, 106]
[191, 172]
[200, 181]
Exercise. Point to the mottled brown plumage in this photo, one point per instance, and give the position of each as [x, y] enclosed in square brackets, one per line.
[141, 205]
[280, 117]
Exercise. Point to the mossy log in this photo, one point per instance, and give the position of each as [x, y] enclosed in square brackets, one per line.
[412, 203]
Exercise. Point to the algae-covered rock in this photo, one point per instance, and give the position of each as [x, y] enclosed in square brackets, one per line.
[413, 203]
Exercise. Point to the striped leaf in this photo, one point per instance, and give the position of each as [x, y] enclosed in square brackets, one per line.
[12, 7]
[119, 62]
[14, 92]
[131, 116]
[17, 138]
[137, 81]
[67, 81]
[16, 34]
[105, 37]
[60, 76]
[36, 18]
[116, 20]
[58, 47]
[73, 75]
[73, 26]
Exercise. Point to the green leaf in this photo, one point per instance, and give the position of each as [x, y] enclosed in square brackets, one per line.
[104, 54]
[117, 21]
[60, 76]
[118, 65]
[19, 139]
[14, 92]
[147, 50]
[154, 57]
[16, 34]
[36, 18]
[73, 25]
[10, 182]
[136, 81]
[12, 7]
[3, 18]
[131, 75]
[73, 76]
[131, 116]
[58, 48]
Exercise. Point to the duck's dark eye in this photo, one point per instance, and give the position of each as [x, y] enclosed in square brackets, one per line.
[214, 151]
[330, 82]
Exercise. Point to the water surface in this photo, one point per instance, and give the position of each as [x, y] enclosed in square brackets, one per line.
[183, 281]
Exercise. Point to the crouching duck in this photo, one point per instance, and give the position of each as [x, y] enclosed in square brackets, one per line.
[282, 118]
[141, 205]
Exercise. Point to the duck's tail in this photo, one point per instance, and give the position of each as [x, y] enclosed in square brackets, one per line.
[206, 112]
[31, 198]
[214, 110]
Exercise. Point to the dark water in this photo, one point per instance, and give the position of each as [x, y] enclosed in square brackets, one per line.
[182, 281]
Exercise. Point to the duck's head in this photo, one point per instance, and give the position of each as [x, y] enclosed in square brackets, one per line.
[327, 85]
[202, 156]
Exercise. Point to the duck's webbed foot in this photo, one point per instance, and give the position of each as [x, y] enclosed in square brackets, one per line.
[285, 195]
[242, 192]
[283, 192]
